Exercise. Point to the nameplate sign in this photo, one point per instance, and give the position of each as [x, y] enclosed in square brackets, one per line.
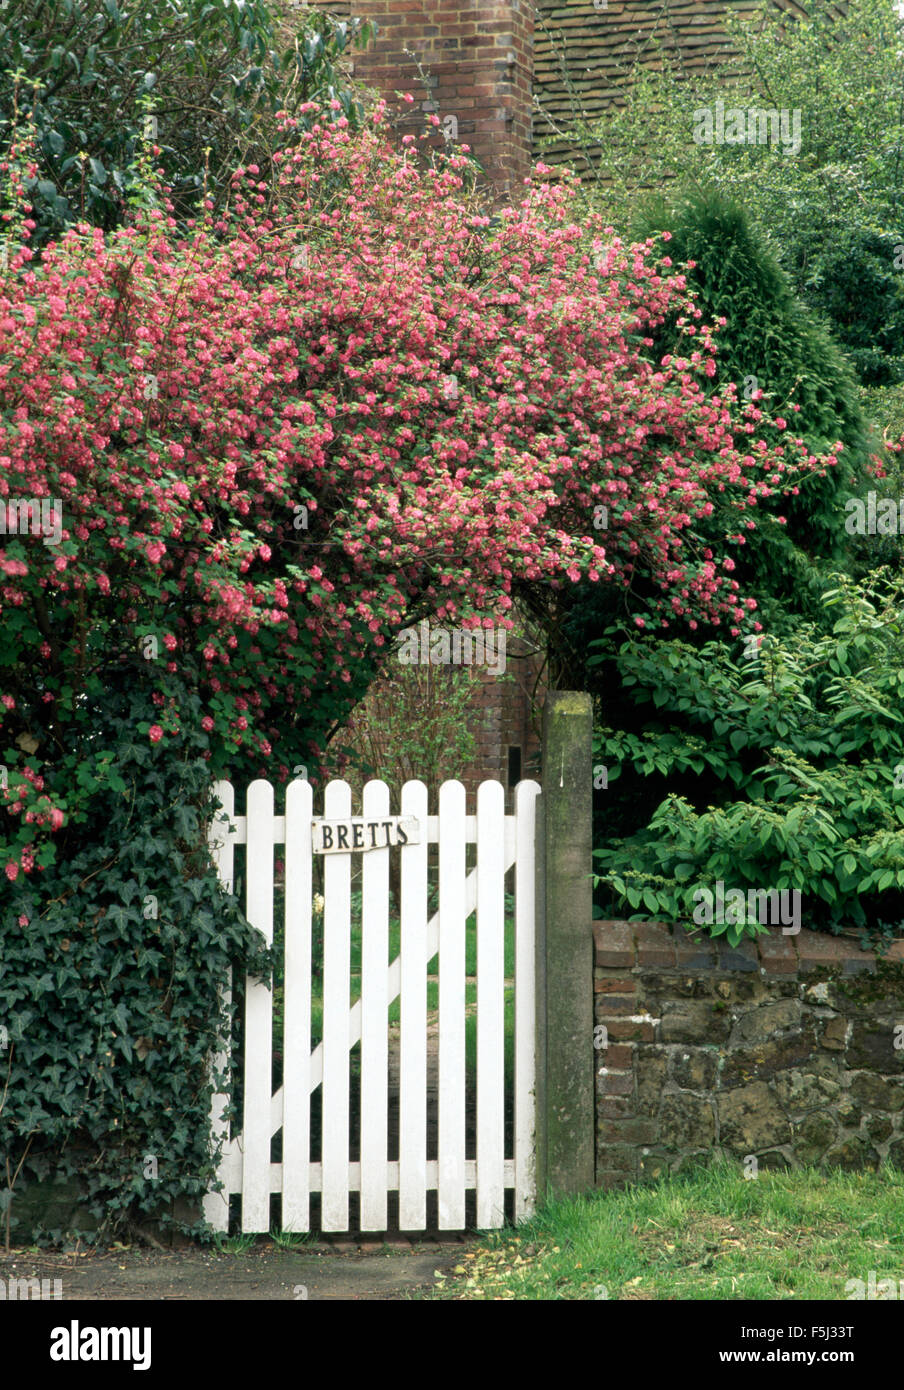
[357, 835]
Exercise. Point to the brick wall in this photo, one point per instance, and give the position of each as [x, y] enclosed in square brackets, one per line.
[782, 1050]
[477, 58]
[505, 716]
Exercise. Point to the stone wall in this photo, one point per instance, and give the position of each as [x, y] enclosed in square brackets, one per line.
[783, 1049]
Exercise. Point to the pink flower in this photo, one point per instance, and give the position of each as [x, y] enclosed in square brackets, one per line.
[12, 871]
[155, 733]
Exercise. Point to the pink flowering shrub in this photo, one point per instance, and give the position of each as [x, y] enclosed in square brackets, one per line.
[339, 406]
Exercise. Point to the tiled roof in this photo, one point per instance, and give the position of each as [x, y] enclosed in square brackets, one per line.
[583, 54]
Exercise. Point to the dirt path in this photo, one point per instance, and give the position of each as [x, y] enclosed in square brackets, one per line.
[339, 1271]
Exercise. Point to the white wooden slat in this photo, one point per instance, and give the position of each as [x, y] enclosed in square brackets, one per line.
[222, 850]
[413, 1039]
[490, 1004]
[374, 1019]
[336, 984]
[220, 834]
[258, 1016]
[526, 794]
[296, 1087]
[452, 918]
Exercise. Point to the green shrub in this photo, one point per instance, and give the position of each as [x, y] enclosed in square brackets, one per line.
[781, 769]
[855, 279]
[770, 343]
[832, 210]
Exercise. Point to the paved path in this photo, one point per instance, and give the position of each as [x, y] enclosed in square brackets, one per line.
[319, 1272]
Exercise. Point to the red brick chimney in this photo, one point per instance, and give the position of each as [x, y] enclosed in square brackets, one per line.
[470, 62]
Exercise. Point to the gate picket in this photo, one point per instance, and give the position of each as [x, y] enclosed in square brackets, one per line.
[336, 985]
[374, 1008]
[490, 1004]
[413, 1039]
[296, 1123]
[452, 915]
[258, 1016]
[222, 849]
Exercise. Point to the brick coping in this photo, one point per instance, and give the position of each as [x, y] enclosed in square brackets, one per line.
[624, 945]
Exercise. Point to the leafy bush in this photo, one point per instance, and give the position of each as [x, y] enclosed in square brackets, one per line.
[855, 279]
[772, 352]
[210, 73]
[339, 489]
[781, 769]
[413, 724]
[769, 344]
[778, 354]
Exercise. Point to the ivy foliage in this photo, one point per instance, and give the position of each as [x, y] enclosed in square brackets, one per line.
[210, 73]
[781, 768]
[110, 989]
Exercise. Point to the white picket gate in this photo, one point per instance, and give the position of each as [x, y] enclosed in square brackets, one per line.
[246, 1167]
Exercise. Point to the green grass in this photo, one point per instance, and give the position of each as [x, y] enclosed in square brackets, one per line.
[709, 1234]
[234, 1245]
[287, 1240]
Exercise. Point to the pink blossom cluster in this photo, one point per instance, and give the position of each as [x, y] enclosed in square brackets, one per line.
[185, 394]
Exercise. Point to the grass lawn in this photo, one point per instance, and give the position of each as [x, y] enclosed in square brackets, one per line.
[709, 1234]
